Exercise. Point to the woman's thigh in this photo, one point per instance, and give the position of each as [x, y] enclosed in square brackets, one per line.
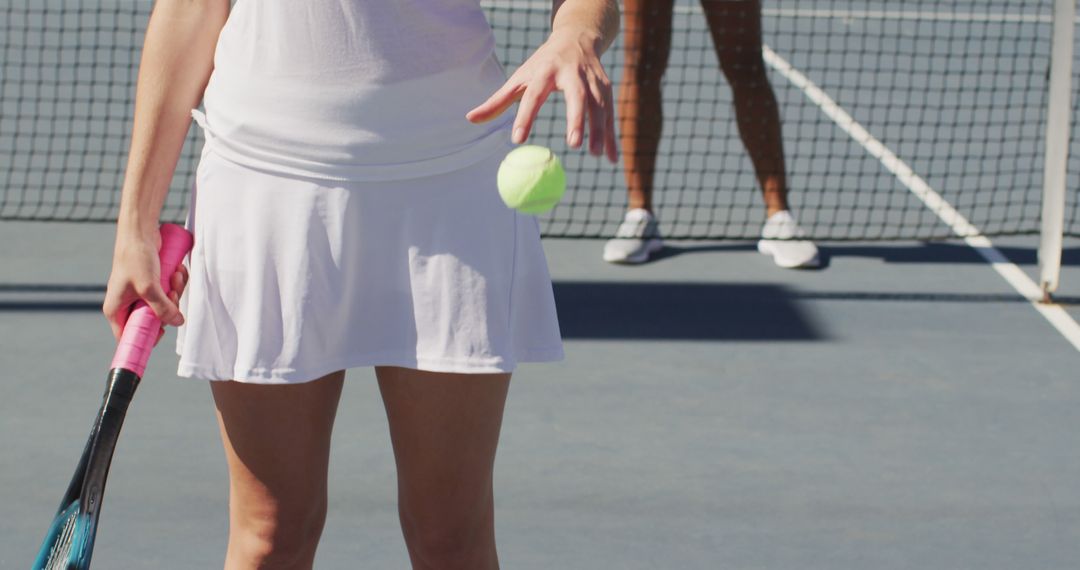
[735, 27]
[445, 429]
[277, 445]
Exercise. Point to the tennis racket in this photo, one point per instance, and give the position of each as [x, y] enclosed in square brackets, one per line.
[70, 540]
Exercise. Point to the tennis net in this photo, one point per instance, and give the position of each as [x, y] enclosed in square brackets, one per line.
[879, 102]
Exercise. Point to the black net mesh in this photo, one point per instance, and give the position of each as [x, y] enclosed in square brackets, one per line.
[955, 90]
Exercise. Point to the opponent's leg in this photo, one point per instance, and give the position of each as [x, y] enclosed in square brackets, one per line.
[646, 38]
[445, 428]
[646, 44]
[735, 26]
[277, 444]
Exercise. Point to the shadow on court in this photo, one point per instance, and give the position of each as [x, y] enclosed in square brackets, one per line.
[51, 297]
[939, 252]
[44, 306]
[614, 310]
[680, 311]
[922, 297]
[587, 309]
[925, 252]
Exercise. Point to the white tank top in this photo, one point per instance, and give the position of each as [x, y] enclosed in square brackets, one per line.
[353, 89]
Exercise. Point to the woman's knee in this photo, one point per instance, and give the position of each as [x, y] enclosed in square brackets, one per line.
[278, 536]
[644, 74]
[744, 67]
[459, 540]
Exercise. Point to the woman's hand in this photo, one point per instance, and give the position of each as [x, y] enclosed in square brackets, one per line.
[136, 274]
[568, 61]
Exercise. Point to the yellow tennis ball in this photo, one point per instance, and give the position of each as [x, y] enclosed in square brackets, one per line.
[531, 179]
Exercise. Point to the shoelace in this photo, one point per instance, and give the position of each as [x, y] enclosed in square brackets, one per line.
[642, 229]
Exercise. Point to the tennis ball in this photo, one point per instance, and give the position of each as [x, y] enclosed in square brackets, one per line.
[531, 179]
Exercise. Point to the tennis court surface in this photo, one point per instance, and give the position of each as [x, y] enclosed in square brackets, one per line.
[907, 405]
[901, 408]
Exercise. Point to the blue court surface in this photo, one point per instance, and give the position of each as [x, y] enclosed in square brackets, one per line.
[901, 408]
[905, 406]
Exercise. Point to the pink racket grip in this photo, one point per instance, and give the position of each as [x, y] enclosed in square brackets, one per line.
[141, 330]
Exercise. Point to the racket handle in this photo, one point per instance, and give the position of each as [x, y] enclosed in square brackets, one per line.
[141, 330]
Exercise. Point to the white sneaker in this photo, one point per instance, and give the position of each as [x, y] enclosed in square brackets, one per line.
[779, 238]
[637, 238]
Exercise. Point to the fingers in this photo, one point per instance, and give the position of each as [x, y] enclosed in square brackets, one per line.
[575, 114]
[607, 144]
[118, 304]
[498, 103]
[597, 122]
[117, 308]
[136, 276]
[589, 96]
[611, 141]
[585, 86]
[178, 282]
[531, 101]
[602, 115]
[166, 310]
[118, 311]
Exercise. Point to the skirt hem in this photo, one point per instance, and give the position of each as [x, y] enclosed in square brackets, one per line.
[492, 365]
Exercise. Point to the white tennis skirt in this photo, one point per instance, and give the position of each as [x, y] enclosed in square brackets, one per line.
[293, 278]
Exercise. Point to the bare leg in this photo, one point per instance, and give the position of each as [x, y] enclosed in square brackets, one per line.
[277, 445]
[736, 31]
[445, 428]
[647, 43]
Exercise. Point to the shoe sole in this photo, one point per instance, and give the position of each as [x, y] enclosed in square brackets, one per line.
[651, 247]
[767, 249]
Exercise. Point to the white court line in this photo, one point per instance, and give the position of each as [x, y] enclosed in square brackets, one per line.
[906, 15]
[1055, 314]
[826, 14]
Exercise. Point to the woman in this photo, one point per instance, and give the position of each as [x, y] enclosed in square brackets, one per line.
[735, 27]
[345, 215]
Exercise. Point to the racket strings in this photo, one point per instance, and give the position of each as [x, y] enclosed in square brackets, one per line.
[60, 553]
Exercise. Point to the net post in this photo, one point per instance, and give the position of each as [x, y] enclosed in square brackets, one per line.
[1056, 146]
